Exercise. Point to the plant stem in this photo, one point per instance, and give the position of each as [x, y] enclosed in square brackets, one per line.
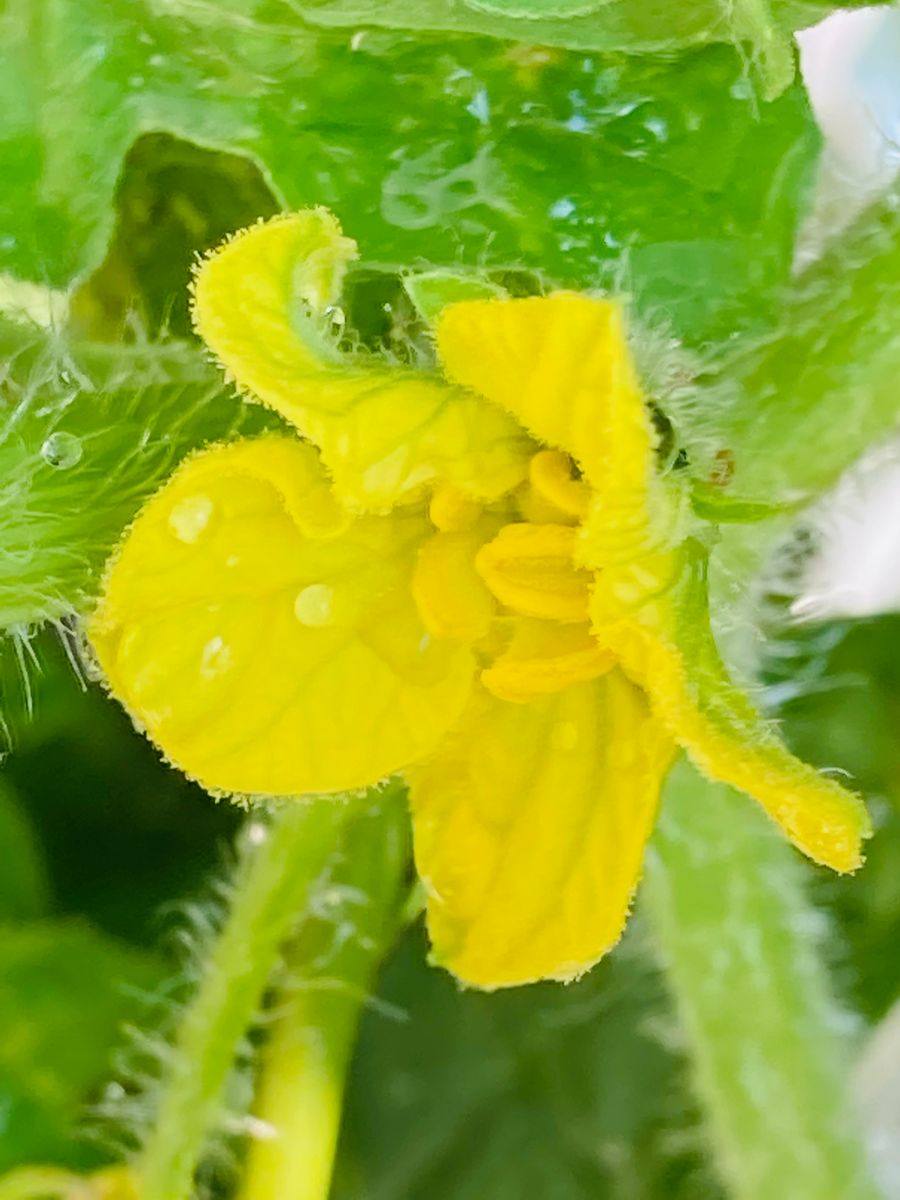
[300, 1090]
[767, 1041]
[127, 415]
[273, 886]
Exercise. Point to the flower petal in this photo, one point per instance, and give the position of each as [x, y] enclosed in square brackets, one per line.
[259, 304]
[664, 642]
[561, 365]
[530, 824]
[266, 640]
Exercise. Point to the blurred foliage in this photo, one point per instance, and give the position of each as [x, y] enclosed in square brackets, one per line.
[837, 688]
[565, 1093]
[62, 997]
[97, 837]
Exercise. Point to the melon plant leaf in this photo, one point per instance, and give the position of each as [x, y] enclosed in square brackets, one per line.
[24, 888]
[635, 26]
[50, 1064]
[650, 187]
[544, 1091]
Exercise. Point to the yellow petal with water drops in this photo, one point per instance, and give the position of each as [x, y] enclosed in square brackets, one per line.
[562, 366]
[545, 657]
[529, 830]
[261, 303]
[267, 641]
[529, 568]
[666, 645]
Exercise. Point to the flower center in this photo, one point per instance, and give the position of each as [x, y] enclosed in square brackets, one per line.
[512, 587]
[529, 569]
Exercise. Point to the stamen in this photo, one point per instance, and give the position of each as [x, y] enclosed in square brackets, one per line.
[452, 510]
[550, 473]
[529, 568]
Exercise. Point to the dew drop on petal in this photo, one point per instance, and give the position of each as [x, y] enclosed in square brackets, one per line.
[216, 658]
[61, 450]
[313, 606]
[190, 517]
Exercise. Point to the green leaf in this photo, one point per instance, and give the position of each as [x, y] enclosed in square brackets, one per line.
[546, 1091]
[431, 290]
[24, 890]
[645, 152]
[64, 991]
[532, 9]
[636, 26]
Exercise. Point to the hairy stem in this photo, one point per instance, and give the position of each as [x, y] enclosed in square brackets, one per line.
[87, 433]
[330, 968]
[767, 1041]
[824, 378]
[273, 886]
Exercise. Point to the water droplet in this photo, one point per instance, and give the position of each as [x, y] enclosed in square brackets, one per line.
[216, 658]
[578, 123]
[314, 604]
[480, 107]
[562, 208]
[190, 517]
[62, 450]
[338, 318]
[257, 833]
[564, 736]
[658, 126]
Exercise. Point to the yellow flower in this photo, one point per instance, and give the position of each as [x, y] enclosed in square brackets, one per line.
[483, 581]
